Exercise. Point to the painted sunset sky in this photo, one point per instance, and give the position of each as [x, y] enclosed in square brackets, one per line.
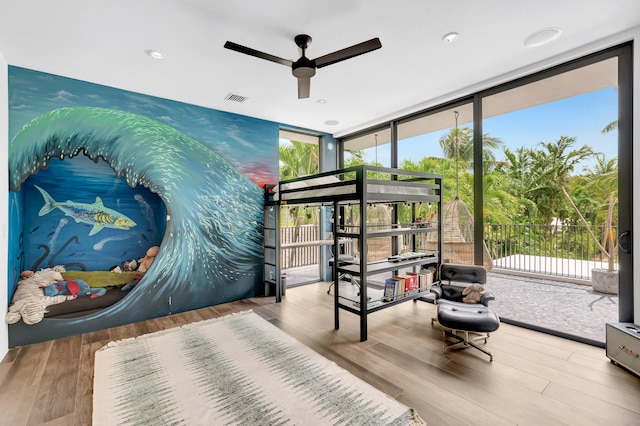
[250, 144]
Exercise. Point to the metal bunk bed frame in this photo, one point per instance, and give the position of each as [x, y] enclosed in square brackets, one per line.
[361, 186]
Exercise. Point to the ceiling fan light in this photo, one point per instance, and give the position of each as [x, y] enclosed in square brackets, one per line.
[304, 68]
[304, 72]
[450, 37]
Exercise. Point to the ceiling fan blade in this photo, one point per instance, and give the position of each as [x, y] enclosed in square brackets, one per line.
[249, 51]
[304, 86]
[347, 53]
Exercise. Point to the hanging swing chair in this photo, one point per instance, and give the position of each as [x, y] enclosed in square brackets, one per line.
[378, 218]
[457, 235]
[458, 228]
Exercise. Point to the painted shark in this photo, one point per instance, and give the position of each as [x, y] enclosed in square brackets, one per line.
[95, 214]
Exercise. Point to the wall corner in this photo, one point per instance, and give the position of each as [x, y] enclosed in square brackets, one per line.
[4, 209]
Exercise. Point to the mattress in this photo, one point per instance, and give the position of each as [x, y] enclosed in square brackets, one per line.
[327, 186]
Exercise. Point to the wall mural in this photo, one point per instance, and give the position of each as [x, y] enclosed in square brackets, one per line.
[82, 216]
[205, 167]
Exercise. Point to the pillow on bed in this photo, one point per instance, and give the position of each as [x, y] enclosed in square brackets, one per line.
[101, 279]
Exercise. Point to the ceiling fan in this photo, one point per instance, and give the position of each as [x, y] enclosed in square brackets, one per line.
[304, 68]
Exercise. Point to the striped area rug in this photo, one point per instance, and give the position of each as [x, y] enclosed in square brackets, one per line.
[235, 370]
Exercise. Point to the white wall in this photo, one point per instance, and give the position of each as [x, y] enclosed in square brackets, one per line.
[4, 207]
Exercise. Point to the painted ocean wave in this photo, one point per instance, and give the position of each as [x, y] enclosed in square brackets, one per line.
[212, 248]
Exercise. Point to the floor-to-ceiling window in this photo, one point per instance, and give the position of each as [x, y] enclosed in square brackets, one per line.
[441, 141]
[300, 225]
[551, 197]
[549, 179]
[372, 147]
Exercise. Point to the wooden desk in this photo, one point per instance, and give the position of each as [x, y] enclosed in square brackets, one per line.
[314, 243]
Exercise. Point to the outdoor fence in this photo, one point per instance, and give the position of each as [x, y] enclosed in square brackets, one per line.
[293, 257]
[303, 255]
[560, 250]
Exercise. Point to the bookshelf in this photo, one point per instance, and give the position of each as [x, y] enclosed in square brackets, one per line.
[412, 256]
[414, 245]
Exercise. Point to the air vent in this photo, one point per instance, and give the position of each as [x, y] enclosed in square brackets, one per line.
[235, 98]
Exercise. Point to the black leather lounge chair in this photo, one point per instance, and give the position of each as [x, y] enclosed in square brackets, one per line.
[459, 320]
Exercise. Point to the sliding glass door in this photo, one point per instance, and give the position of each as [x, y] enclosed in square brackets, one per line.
[441, 141]
[544, 166]
[551, 197]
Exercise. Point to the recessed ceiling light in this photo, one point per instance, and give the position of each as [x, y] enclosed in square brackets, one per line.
[331, 122]
[155, 54]
[450, 37]
[321, 101]
[541, 37]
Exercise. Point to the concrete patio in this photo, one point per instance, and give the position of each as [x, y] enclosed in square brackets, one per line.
[570, 308]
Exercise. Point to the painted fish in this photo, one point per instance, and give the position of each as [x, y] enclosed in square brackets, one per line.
[95, 214]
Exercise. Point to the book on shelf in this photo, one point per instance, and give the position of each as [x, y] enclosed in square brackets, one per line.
[425, 279]
[390, 289]
[410, 283]
[401, 285]
[394, 288]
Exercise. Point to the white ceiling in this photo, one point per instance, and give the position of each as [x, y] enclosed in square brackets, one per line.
[105, 42]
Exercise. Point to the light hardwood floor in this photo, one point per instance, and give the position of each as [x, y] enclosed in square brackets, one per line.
[535, 379]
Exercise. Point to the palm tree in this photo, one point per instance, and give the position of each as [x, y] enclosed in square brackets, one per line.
[597, 194]
[455, 182]
[603, 179]
[551, 167]
[610, 127]
[298, 159]
[500, 206]
[518, 170]
[608, 246]
[353, 158]
[590, 192]
[458, 143]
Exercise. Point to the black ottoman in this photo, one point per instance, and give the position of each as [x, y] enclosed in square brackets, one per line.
[465, 318]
